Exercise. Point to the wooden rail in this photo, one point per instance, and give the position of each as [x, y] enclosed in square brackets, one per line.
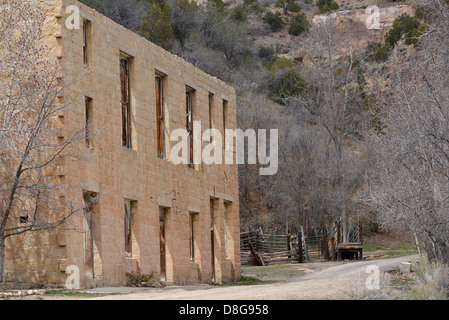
[263, 249]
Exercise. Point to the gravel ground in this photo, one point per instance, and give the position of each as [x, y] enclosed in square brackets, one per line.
[326, 280]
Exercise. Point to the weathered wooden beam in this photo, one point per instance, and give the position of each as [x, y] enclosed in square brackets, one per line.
[333, 249]
[326, 244]
[361, 232]
[300, 249]
[254, 254]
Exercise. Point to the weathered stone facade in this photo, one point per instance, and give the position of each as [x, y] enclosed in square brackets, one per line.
[160, 194]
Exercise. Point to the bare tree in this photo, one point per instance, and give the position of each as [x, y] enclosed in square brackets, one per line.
[31, 196]
[227, 36]
[323, 105]
[409, 183]
[128, 13]
[332, 99]
[302, 192]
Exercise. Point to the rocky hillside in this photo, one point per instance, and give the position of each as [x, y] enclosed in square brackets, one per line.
[352, 14]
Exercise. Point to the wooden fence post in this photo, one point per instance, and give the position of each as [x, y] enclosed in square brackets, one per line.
[300, 250]
[256, 257]
[333, 249]
[361, 232]
[326, 244]
[338, 233]
[288, 246]
[319, 245]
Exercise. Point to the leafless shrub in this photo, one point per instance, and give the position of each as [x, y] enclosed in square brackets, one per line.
[127, 13]
[360, 290]
[432, 281]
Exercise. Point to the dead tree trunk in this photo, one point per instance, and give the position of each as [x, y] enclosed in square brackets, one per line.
[2, 257]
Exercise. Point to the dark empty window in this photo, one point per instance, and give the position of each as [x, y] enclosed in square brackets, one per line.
[23, 219]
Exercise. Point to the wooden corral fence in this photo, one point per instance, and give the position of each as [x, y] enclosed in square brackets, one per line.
[337, 248]
[262, 249]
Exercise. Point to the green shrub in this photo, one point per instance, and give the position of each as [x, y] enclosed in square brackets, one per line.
[377, 51]
[334, 6]
[412, 36]
[252, 6]
[246, 281]
[279, 63]
[266, 53]
[274, 20]
[327, 5]
[298, 24]
[249, 2]
[278, 4]
[294, 7]
[239, 13]
[135, 280]
[403, 25]
[283, 80]
[156, 26]
[284, 84]
[289, 5]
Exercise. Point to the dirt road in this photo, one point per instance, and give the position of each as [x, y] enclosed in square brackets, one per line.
[330, 281]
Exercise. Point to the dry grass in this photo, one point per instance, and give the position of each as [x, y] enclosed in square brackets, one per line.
[361, 291]
[388, 245]
[432, 281]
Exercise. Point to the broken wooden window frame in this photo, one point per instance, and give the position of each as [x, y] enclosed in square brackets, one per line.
[88, 126]
[225, 111]
[127, 221]
[192, 229]
[211, 113]
[212, 203]
[163, 212]
[125, 86]
[86, 42]
[190, 95]
[160, 114]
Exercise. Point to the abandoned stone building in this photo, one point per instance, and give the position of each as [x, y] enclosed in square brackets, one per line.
[179, 221]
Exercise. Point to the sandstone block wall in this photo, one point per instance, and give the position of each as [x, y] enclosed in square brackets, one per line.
[158, 189]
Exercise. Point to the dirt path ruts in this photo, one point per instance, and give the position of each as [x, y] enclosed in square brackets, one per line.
[331, 282]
